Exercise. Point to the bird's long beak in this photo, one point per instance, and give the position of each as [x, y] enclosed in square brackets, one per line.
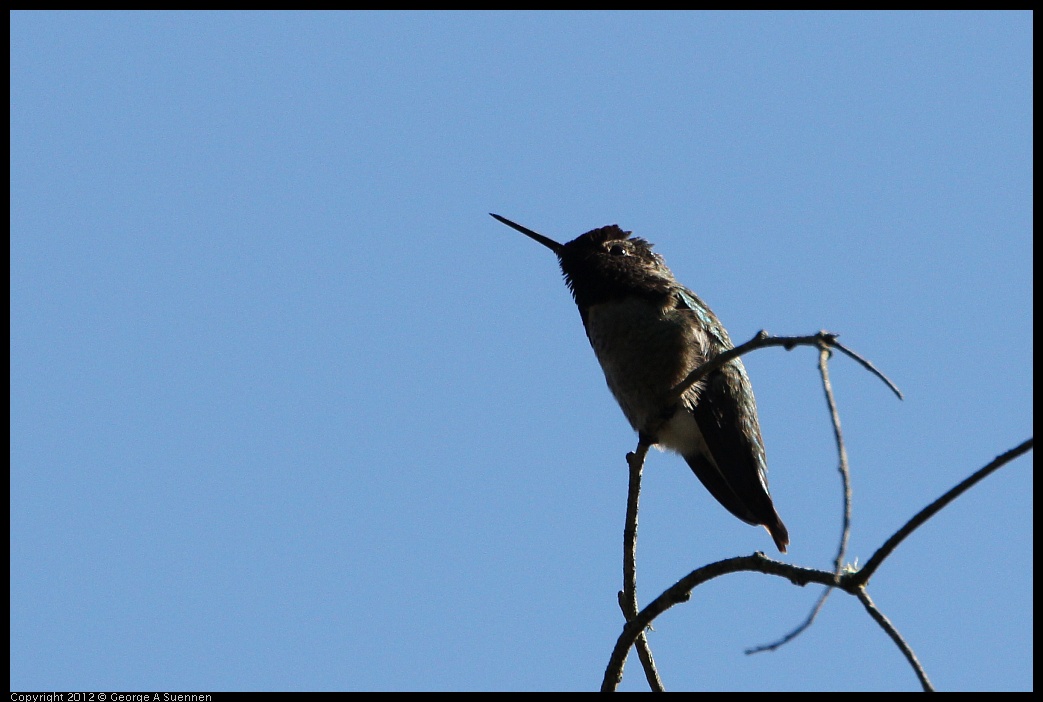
[549, 243]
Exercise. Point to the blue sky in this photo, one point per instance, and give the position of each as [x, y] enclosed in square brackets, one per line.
[290, 411]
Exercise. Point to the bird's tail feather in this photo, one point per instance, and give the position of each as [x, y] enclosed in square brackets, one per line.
[750, 503]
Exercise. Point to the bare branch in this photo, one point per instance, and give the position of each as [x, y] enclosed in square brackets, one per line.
[635, 461]
[853, 582]
[886, 625]
[628, 596]
[845, 530]
[867, 365]
[796, 631]
[758, 563]
[762, 340]
[681, 592]
[842, 465]
[861, 577]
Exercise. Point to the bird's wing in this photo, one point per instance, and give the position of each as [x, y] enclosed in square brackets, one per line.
[732, 466]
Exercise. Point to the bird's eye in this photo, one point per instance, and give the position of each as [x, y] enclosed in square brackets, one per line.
[618, 250]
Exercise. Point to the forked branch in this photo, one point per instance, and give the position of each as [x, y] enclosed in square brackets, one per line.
[854, 582]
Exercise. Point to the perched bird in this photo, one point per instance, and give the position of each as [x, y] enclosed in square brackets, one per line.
[649, 332]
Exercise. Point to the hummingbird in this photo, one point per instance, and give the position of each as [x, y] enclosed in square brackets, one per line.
[649, 332]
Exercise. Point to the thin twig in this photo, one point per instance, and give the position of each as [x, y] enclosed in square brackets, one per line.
[762, 340]
[867, 365]
[862, 576]
[635, 461]
[681, 591]
[796, 631]
[852, 583]
[628, 596]
[887, 626]
[845, 529]
[759, 563]
[842, 464]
